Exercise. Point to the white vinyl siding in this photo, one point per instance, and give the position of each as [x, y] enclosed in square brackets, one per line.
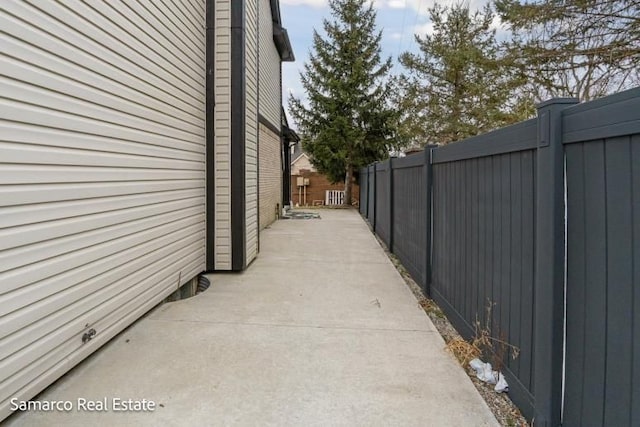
[269, 107]
[270, 176]
[102, 175]
[251, 123]
[222, 114]
[270, 102]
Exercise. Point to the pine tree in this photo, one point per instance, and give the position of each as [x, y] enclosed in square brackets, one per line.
[346, 122]
[459, 84]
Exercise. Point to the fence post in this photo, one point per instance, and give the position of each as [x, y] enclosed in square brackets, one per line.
[549, 263]
[362, 199]
[372, 218]
[391, 205]
[428, 177]
[376, 201]
[364, 191]
[366, 196]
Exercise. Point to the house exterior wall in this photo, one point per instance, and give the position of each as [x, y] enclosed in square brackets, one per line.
[269, 109]
[239, 149]
[102, 202]
[270, 154]
[270, 93]
[222, 144]
[251, 123]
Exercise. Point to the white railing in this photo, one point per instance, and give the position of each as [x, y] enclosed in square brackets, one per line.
[334, 197]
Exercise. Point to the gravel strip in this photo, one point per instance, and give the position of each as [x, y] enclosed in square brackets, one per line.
[502, 407]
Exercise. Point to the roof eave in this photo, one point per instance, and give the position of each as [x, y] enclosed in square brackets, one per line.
[283, 44]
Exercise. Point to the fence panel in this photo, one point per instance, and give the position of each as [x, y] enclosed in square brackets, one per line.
[411, 223]
[483, 242]
[364, 191]
[382, 224]
[602, 149]
[371, 198]
[497, 237]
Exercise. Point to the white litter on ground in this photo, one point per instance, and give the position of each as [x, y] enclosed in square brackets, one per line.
[485, 373]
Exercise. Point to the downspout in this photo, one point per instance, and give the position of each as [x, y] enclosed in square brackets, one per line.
[238, 137]
[258, 36]
[210, 215]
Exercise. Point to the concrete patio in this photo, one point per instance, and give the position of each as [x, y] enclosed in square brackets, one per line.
[320, 330]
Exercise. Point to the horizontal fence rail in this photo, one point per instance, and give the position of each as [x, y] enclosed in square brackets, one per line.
[480, 226]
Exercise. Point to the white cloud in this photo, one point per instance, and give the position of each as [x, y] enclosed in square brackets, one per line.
[397, 4]
[378, 4]
[497, 24]
[312, 3]
[421, 7]
[418, 6]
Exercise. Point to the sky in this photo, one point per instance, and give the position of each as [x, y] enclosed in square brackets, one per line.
[398, 20]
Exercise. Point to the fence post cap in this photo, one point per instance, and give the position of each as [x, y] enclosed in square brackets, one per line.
[557, 101]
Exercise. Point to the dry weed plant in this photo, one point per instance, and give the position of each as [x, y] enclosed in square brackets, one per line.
[483, 343]
[495, 348]
[463, 350]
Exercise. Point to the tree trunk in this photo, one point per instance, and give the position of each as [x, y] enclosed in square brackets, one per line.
[348, 180]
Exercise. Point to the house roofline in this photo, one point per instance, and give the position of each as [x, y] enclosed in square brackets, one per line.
[280, 35]
[299, 157]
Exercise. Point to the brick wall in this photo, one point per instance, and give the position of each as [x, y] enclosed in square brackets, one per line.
[270, 178]
[318, 185]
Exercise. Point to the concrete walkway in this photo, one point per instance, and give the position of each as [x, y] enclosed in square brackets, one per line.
[320, 330]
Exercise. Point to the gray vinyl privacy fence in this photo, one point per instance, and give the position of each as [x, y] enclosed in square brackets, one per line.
[540, 221]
